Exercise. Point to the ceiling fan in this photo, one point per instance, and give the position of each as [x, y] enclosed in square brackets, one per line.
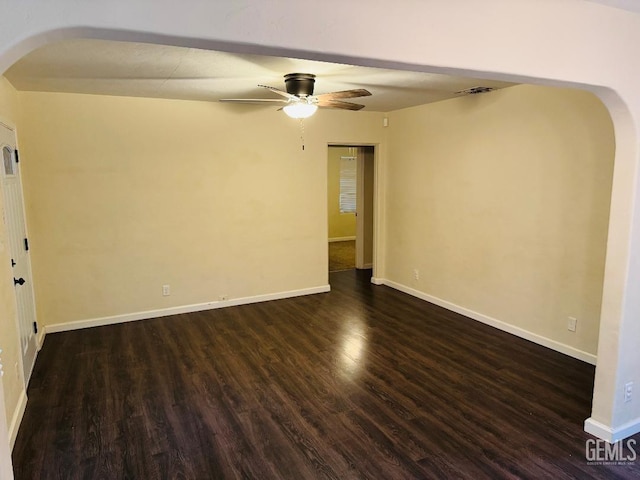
[299, 100]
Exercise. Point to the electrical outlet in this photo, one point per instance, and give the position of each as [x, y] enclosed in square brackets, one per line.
[416, 274]
[628, 391]
[166, 290]
[571, 324]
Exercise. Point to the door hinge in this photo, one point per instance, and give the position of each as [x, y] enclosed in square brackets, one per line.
[26, 244]
[17, 156]
[35, 327]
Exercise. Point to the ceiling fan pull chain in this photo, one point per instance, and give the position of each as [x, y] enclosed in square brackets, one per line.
[302, 132]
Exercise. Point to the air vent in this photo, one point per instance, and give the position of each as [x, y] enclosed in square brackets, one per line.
[475, 90]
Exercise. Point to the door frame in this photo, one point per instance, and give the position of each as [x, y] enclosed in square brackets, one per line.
[6, 467]
[377, 202]
[362, 205]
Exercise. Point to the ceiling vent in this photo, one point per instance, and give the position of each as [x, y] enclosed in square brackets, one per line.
[475, 90]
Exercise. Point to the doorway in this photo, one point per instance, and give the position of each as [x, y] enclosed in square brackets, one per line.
[350, 200]
[15, 222]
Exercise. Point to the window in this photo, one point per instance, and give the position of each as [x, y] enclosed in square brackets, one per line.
[348, 169]
[7, 157]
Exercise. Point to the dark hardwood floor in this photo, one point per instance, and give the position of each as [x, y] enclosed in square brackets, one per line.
[363, 382]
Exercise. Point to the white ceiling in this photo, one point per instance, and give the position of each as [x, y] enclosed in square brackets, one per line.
[145, 70]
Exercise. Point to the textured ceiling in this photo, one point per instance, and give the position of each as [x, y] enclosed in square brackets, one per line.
[145, 70]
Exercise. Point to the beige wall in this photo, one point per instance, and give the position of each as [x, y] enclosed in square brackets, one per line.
[127, 194]
[501, 202]
[340, 224]
[9, 341]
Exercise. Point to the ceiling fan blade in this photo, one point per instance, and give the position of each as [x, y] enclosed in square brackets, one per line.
[279, 92]
[252, 100]
[360, 92]
[340, 104]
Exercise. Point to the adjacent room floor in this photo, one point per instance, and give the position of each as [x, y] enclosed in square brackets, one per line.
[362, 382]
[342, 255]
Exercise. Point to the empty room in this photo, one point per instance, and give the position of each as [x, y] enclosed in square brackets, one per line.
[169, 308]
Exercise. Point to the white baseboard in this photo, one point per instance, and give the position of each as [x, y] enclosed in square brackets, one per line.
[40, 338]
[165, 312]
[17, 418]
[517, 331]
[609, 434]
[341, 239]
[377, 281]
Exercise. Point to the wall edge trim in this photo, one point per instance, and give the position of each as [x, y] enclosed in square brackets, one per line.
[611, 435]
[40, 339]
[493, 322]
[165, 312]
[341, 239]
[17, 418]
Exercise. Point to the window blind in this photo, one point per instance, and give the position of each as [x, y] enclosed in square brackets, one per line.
[348, 171]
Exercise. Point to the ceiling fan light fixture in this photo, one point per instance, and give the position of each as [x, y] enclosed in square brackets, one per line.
[299, 100]
[300, 110]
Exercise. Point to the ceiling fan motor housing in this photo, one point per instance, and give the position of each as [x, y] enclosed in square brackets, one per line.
[300, 84]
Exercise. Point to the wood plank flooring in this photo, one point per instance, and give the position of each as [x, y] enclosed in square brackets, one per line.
[362, 382]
